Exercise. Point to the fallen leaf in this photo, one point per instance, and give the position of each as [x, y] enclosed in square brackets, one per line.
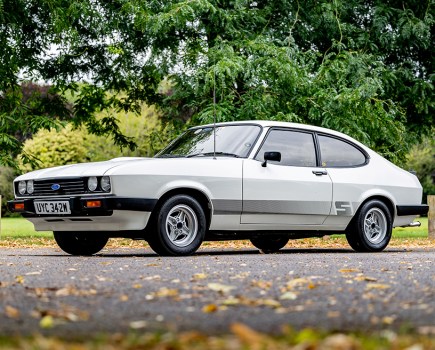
[221, 288]
[33, 273]
[70, 290]
[19, 279]
[12, 312]
[381, 286]
[340, 342]
[296, 282]
[365, 278]
[102, 279]
[199, 276]
[166, 292]
[66, 313]
[46, 322]
[271, 302]
[153, 278]
[209, 308]
[191, 337]
[138, 324]
[253, 339]
[123, 297]
[231, 301]
[288, 296]
[261, 284]
[348, 270]
[388, 320]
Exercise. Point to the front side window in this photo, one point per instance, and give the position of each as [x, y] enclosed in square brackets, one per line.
[338, 153]
[296, 148]
[231, 140]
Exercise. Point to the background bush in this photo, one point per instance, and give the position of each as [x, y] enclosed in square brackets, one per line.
[6, 190]
[421, 158]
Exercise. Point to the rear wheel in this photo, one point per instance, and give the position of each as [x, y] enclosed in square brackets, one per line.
[179, 228]
[80, 243]
[372, 228]
[269, 244]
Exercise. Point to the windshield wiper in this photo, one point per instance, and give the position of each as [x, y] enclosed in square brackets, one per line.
[207, 154]
[170, 156]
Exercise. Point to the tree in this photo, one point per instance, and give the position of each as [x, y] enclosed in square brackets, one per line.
[29, 29]
[358, 66]
[24, 110]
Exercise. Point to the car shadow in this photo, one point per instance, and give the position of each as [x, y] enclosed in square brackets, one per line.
[113, 253]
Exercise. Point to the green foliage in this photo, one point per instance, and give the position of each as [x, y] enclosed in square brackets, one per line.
[365, 68]
[146, 130]
[6, 190]
[421, 159]
[53, 148]
[68, 145]
[24, 110]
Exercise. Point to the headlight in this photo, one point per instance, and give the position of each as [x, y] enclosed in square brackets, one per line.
[105, 183]
[30, 187]
[92, 183]
[22, 187]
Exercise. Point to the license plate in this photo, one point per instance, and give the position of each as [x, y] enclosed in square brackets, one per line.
[52, 207]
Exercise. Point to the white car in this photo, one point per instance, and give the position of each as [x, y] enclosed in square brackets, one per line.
[260, 180]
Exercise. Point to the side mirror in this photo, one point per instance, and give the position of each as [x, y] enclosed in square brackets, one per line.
[272, 156]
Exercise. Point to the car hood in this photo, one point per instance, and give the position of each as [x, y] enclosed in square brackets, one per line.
[82, 169]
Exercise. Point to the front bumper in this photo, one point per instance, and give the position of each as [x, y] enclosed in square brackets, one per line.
[79, 206]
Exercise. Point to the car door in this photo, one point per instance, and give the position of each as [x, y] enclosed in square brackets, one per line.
[293, 191]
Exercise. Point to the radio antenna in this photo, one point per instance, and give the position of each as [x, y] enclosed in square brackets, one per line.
[214, 110]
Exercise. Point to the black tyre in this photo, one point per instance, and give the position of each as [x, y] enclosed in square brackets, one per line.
[179, 227]
[371, 228]
[269, 244]
[80, 243]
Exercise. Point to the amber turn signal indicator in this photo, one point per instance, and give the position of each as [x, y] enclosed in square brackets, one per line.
[19, 206]
[93, 204]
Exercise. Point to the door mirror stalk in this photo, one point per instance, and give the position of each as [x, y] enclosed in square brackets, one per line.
[272, 156]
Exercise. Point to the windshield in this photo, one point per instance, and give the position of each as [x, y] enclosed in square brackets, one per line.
[231, 141]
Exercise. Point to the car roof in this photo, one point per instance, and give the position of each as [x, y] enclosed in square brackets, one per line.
[273, 123]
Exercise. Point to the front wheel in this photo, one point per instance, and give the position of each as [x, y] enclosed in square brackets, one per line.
[179, 228]
[269, 244]
[372, 228]
[80, 243]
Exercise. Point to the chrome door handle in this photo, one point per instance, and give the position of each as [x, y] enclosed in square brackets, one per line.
[320, 172]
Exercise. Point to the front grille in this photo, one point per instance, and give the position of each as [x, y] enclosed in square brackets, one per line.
[67, 187]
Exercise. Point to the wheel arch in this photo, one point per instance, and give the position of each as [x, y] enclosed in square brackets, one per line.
[384, 199]
[200, 196]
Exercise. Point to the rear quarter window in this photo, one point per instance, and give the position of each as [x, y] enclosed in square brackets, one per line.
[339, 153]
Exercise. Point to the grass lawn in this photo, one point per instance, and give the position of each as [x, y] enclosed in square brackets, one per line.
[20, 228]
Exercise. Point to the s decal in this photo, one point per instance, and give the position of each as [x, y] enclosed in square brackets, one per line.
[344, 208]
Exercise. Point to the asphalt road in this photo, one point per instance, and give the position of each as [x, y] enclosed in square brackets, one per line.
[44, 290]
